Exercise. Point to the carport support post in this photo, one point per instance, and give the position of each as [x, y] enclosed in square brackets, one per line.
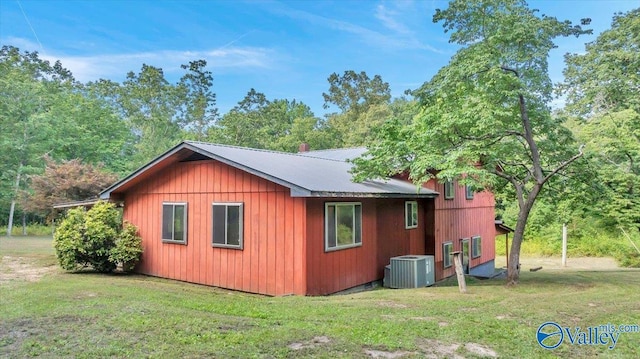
[457, 260]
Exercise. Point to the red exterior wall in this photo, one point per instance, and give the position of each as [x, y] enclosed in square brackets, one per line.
[460, 218]
[273, 259]
[383, 236]
[284, 237]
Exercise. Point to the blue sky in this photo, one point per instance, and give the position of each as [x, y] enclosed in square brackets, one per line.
[285, 49]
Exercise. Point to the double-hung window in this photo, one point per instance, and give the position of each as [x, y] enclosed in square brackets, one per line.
[227, 225]
[447, 258]
[410, 214]
[449, 190]
[469, 191]
[476, 247]
[174, 222]
[343, 225]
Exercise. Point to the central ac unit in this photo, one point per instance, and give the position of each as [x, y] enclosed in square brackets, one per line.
[411, 271]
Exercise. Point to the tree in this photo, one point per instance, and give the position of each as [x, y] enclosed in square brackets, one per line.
[277, 125]
[602, 86]
[199, 112]
[50, 113]
[309, 130]
[613, 148]
[33, 86]
[149, 105]
[484, 118]
[364, 105]
[355, 92]
[240, 126]
[68, 181]
[606, 78]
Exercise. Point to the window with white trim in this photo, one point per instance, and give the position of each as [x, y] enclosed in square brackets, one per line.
[469, 191]
[343, 225]
[476, 247]
[227, 225]
[449, 190]
[410, 214]
[447, 258]
[174, 222]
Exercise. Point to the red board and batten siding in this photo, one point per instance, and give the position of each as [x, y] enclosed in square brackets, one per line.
[383, 236]
[460, 218]
[273, 259]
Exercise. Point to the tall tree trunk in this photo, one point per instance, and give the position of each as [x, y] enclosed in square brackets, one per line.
[513, 270]
[13, 202]
[24, 223]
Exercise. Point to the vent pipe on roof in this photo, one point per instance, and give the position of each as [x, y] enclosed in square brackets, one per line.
[304, 147]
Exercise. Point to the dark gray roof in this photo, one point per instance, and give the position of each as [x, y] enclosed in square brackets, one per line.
[306, 174]
[341, 154]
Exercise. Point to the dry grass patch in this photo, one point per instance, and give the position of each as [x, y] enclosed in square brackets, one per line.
[22, 269]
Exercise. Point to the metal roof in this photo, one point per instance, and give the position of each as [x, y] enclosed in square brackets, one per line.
[341, 154]
[73, 204]
[307, 174]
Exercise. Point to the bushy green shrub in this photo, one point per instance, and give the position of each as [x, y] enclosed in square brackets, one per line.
[96, 238]
[128, 248]
[68, 240]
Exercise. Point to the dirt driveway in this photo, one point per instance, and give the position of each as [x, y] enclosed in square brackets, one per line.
[21, 269]
[577, 263]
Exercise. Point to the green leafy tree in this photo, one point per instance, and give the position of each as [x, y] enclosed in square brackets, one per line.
[278, 125]
[613, 147]
[356, 92]
[199, 112]
[310, 130]
[606, 77]
[149, 105]
[29, 87]
[602, 87]
[50, 114]
[242, 124]
[364, 105]
[90, 130]
[484, 118]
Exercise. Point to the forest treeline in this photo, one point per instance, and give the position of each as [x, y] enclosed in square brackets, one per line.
[52, 125]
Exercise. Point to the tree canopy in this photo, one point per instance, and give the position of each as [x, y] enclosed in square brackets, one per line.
[485, 117]
[67, 181]
[602, 86]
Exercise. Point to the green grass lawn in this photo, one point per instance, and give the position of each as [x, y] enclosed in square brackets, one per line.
[51, 313]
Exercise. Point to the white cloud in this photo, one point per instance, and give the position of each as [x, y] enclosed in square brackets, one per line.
[399, 38]
[113, 66]
[388, 17]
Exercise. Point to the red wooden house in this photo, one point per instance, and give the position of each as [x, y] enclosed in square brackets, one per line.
[280, 223]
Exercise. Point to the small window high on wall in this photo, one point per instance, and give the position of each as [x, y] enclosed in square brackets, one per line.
[469, 191]
[228, 225]
[174, 223]
[449, 190]
[411, 214]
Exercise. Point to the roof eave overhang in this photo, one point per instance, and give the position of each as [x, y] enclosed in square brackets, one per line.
[329, 194]
[73, 204]
[106, 194]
